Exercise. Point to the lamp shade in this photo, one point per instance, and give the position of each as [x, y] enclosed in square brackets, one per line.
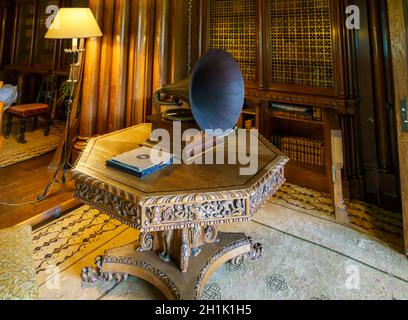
[74, 23]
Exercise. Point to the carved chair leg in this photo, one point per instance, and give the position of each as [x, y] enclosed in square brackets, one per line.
[9, 124]
[22, 138]
[48, 125]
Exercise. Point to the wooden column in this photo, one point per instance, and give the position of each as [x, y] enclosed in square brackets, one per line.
[105, 67]
[117, 99]
[161, 44]
[379, 85]
[89, 105]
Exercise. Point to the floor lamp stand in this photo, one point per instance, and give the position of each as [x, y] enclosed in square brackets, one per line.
[65, 164]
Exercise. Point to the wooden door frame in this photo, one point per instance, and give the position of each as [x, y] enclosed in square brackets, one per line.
[398, 19]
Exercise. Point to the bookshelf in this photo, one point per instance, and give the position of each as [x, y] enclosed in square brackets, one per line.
[301, 134]
[250, 117]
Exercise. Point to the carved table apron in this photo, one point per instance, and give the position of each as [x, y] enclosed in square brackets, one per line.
[177, 211]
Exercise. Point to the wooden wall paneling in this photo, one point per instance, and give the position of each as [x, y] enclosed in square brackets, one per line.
[3, 25]
[398, 20]
[390, 93]
[161, 44]
[88, 119]
[21, 9]
[105, 67]
[1, 125]
[365, 117]
[7, 23]
[380, 100]
[199, 13]
[352, 176]
[120, 46]
[178, 46]
[131, 72]
[44, 50]
[349, 65]
[140, 99]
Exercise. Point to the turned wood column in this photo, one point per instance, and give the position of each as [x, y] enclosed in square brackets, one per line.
[117, 99]
[380, 89]
[161, 43]
[89, 104]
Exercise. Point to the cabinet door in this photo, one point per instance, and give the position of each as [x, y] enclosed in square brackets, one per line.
[24, 28]
[44, 49]
[300, 51]
[398, 14]
[233, 25]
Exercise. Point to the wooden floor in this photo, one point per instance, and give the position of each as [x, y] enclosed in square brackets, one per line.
[22, 183]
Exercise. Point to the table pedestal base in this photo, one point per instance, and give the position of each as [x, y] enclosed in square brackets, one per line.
[118, 263]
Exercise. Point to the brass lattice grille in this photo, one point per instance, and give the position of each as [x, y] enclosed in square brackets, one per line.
[233, 28]
[301, 43]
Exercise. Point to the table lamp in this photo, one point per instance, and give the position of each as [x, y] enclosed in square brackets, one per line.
[71, 23]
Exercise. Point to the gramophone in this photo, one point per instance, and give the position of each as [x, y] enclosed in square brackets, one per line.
[212, 97]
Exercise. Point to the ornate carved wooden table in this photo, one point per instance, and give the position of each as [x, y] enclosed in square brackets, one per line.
[177, 211]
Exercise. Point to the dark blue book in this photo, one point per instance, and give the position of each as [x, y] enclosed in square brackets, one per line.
[139, 163]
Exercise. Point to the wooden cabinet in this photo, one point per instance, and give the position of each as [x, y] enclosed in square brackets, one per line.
[283, 47]
[300, 53]
[301, 46]
[290, 55]
[233, 25]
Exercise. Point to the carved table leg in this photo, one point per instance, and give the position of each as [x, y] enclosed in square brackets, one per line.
[92, 275]
[145, 242]
[167, 276]
[184, 250]
[167, 238]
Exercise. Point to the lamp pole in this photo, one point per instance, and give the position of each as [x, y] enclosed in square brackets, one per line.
[65, 164]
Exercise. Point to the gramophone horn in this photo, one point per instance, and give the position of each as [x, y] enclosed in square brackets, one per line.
[215, 92]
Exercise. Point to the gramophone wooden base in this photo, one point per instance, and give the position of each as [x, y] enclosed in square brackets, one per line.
[118, 263]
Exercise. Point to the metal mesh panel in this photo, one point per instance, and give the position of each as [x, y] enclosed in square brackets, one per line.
[233, 28]
[301, 43]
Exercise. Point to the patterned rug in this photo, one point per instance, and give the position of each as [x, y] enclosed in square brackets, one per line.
[384, 225]
[37, 144]
[306, 257]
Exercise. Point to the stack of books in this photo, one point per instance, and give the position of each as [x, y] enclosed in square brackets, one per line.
[303, 150]
[139, 162]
